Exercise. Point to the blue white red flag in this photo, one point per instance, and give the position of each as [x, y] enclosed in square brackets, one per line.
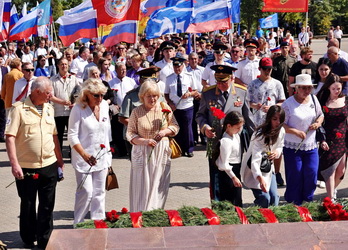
[13, 17]
[169, 20]
[5, 7]
[25, 27]
[150, 6]
[235, 11]
[115, 11]
[85, 5]
[76, 26]
[213, 16]
[269, 22]
[122, 32]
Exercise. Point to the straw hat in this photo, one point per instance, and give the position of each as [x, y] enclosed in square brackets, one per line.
[302, 80]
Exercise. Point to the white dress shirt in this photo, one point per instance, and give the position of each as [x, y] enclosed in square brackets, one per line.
[122, 87]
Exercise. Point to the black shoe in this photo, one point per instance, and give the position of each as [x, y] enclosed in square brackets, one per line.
[190, 155]
[2, 139]
[279, 179]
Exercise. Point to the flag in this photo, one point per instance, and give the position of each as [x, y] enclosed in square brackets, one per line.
[44, 13]
[235, 11]
[104, 31]
[24, 9]
[13, 16]
[5, 7]
[25, 27]
[269, 22]
[76, 26]
[150, 6]
[213, 16]
[86, 5]
[285, 6]
[122, 32]
[169, 20]
[115, 11]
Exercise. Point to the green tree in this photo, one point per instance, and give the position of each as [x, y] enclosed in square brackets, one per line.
[320, 16]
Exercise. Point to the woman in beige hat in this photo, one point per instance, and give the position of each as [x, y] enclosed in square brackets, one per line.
[303, 116]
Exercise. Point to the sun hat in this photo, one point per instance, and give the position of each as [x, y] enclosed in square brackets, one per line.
[302, 80]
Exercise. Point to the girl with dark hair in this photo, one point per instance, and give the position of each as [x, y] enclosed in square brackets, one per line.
[229, 159]
[324, 67]
[268, 139]
[332, 162]
[41, 69]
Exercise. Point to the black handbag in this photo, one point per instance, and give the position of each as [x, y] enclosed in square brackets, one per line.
[265, 165]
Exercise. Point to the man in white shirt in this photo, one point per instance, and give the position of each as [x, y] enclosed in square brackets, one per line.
[27, 56]
[79, 63]
[338, 35]
[22, 86]
[303, 38]
[179, 92]
[121, 84]
[166, 65]
[41, 51]
[248, 69]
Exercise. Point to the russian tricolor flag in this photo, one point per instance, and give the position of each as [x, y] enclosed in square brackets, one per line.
[25, 27]
[122, 32]
[7, 10]
[213, 16]
[150, 6]
[76, 26]
[13, 17]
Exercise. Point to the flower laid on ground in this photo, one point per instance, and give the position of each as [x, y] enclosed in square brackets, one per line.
[112, 216]
[325, 109]
[34, 176]
[265, 102]
[335, 210]
[124, 210]
[97, 157]
[218, 114]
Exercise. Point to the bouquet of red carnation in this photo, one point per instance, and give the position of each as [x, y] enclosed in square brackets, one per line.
[218, 114]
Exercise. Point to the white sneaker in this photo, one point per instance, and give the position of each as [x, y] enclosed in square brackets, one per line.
[321, 184]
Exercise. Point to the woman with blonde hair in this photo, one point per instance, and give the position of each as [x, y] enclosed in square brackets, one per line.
[149, 126]
[89, 135]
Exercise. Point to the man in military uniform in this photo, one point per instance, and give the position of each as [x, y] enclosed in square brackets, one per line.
[248, 68]
[131, 100]
[282, 65]
[227, 96]
[166, 65]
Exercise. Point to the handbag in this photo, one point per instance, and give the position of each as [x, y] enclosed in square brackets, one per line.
[320, 134]
[111, 180]
[176, 150]
[266, 164]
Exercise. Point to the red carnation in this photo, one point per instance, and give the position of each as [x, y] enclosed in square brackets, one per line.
[36, 176]
[218, 113]
[190, 89]
[338, 135]
[166, 111]
[113, 212]
[124, 210]
[112, 150]
[102, 146]
[268, 98]
[325, 109]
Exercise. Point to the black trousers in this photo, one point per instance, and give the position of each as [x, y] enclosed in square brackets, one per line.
[2, 118]
[227, 190]
[117, 136]
[62, 122]
[38, 227]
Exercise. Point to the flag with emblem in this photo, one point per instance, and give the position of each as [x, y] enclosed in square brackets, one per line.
[285, 6]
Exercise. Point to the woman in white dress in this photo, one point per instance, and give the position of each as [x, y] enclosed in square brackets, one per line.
[149, 126]
[89, 135]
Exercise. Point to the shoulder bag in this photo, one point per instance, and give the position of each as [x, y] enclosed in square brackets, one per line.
[111, 180]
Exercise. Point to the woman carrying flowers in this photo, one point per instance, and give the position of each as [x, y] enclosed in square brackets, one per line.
[332, 162]
[148, 129]
[89, 135]
[303, 115]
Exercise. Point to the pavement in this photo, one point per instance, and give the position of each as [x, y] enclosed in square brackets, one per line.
[189, 185]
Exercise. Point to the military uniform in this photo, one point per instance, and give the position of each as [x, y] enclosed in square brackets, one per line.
[281, 68]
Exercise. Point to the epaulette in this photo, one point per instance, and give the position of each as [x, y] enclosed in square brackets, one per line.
[209, 88]
[240, 86]
[131, 91]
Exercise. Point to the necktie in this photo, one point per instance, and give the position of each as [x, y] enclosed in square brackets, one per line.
[225, 95]
[179, 87]
[24, 92]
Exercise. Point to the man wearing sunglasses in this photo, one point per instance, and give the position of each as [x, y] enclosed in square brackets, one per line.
[235, 56]
[22, 86]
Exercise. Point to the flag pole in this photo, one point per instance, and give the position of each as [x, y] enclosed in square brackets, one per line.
[136, 34]
[231, 33]
[194, 42]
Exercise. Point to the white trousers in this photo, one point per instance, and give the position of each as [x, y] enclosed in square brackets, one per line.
[91, 196]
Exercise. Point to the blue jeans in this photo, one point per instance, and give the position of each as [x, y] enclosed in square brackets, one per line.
[301, 169]
[271, 198]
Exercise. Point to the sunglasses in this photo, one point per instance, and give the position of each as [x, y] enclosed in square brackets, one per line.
[29, 70]
[235, 51]
[98, 96]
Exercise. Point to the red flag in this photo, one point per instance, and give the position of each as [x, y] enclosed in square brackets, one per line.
[285, 6]
[115, 11]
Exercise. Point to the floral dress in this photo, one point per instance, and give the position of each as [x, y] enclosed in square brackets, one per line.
[335, 126]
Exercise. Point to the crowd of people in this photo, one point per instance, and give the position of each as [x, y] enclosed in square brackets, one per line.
[251, 101]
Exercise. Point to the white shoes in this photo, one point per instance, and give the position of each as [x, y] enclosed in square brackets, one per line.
[321, 184]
